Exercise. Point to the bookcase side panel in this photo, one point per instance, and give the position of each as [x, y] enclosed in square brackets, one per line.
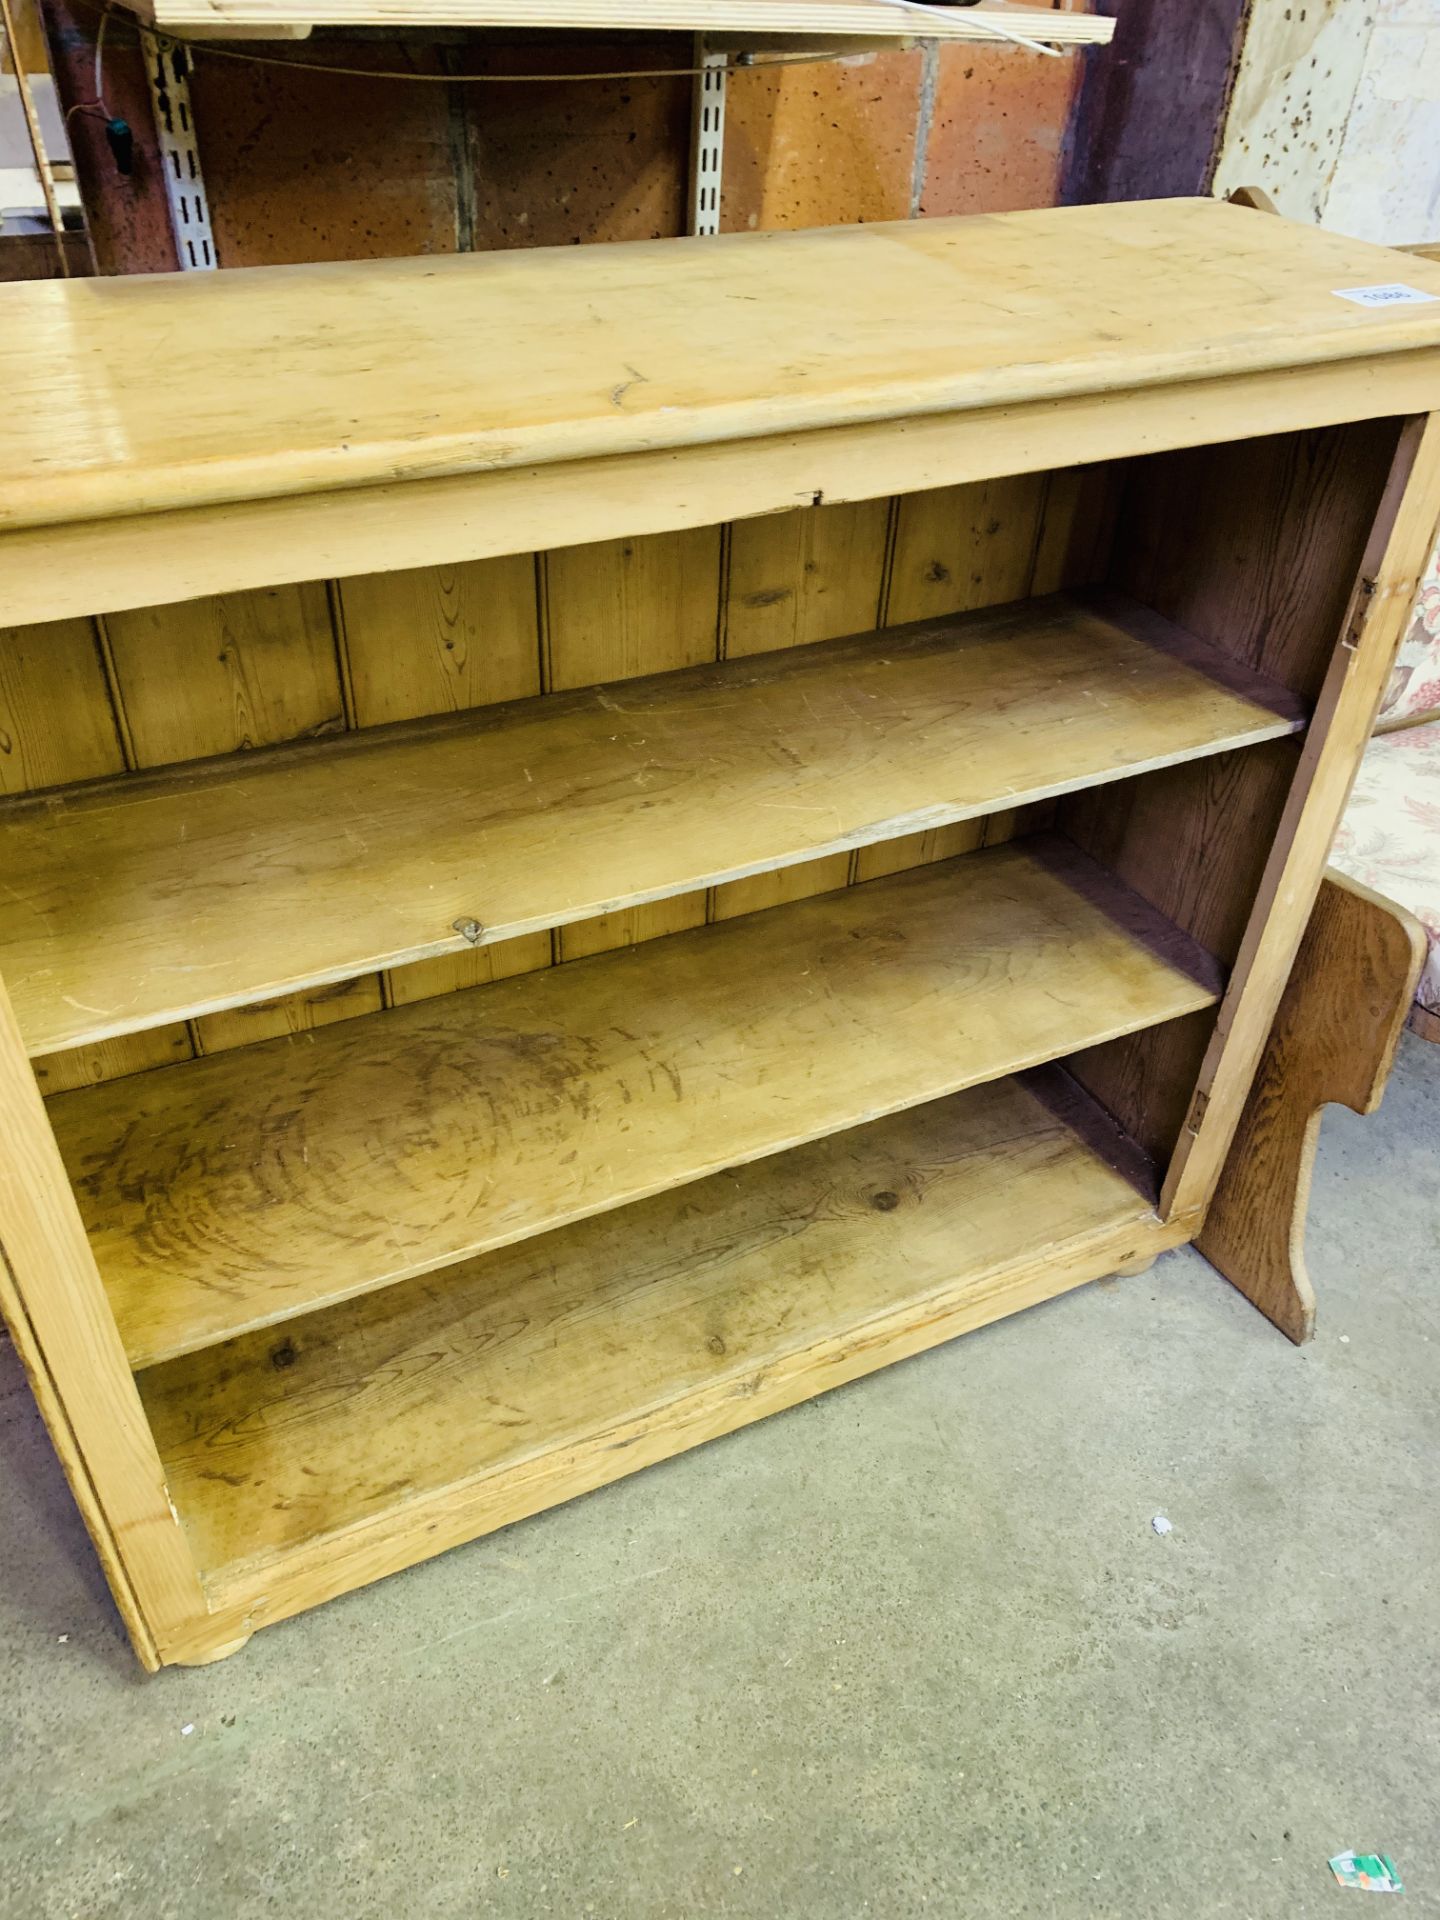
[1264, 549]
[55, 1304]
[1398, 547]
[1254, 545]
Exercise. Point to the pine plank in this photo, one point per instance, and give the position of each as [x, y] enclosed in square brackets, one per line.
[922, 849]
[1397, 551]
[805, 22]
[620, 610]
[1334, 1039]
[55, 1307]
[133, 559]
[957, 549]
[1193, 841]
[236, 1191]
[1077, 544]
[1255, 548]
[138, 903]
[428, 640]
[288, 380]
[229, 674]
[795, 579]
[85, 1066]
[431, 640]
[58, 723]
[291, 1013]
[962, 547]
[535, 1356]
[226, 674]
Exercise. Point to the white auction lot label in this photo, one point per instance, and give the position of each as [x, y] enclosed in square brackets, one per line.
[1397, 294]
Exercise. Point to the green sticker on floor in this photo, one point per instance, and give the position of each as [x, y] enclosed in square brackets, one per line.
[1374, 1872]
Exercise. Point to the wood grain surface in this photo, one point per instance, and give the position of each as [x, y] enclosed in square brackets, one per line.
[141, 902]
[544, 1350]
[139, 559]
[1254, 547]
[55, 1307]
[134, 395]
[60, 721]
[235, 1191]
[620, 609]
[767, 19]
[598, 1159]
[1334, 1039]
[792, 580]
[1399, 547]
[443, 640]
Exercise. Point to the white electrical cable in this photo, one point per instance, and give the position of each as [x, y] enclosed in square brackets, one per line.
[991, 26]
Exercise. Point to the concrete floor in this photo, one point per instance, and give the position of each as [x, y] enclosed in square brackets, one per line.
[910, 1649]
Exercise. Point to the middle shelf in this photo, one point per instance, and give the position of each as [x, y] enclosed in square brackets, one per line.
[134, 902]
[236, 1191]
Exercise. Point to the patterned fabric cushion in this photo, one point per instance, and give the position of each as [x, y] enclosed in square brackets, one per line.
[1414, 687]
[1390, 836]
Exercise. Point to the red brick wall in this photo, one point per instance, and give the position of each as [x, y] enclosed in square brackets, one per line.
[309, 166]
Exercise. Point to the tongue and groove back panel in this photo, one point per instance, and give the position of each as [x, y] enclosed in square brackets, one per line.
[1210, 540]
[81, 699]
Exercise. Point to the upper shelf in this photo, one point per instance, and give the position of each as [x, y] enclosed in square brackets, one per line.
[751, 20]
[147, 392]
[178, 893]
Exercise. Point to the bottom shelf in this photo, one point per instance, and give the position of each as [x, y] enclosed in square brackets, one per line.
[358, 1439]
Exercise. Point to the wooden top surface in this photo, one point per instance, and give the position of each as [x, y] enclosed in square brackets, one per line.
[148, 392]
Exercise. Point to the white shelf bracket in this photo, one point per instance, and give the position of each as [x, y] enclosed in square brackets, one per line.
[707, 155]
[167, 68]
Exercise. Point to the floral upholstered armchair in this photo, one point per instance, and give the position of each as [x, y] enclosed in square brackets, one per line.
[1390, 837]
[1413, 694]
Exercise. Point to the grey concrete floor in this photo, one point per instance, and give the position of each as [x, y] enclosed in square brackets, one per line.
[911, 1649]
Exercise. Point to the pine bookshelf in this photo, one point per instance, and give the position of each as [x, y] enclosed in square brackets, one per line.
[598, 842]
